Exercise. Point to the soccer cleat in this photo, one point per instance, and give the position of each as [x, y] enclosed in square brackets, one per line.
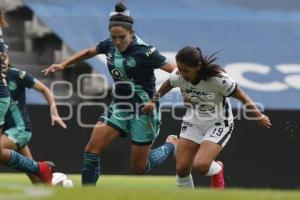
[173, 139]
[217, 180]
[46, 169]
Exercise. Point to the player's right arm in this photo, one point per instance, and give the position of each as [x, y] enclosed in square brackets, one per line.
[77, 57]
[43, 89]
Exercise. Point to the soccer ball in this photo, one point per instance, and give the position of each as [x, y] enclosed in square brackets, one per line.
[61, 179]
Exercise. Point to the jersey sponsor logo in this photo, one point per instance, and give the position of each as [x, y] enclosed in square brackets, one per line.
[196, 99]
[200, 94]
[130, 62]
[150, 51]
[117, 74]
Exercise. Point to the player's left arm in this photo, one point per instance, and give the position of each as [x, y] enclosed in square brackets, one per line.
[262, 119]
[55, 117]
[168, 67]
[164, 88]
[156, 60]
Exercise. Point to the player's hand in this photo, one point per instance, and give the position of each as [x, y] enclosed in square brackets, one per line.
[53, 68]
[148, 107]
[58, 120]
[264, 121]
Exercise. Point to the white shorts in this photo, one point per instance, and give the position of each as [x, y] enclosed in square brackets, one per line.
[214, 131]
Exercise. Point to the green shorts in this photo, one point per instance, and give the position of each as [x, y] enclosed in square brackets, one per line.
[144, 128]
[4, 105]
[19, 137]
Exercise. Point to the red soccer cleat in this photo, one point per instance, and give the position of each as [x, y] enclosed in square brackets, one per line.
[46, 170]
[217, 180]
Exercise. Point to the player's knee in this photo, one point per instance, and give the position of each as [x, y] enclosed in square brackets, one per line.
[90, 148]
[182, 170]
[94, 148]
[201, 167]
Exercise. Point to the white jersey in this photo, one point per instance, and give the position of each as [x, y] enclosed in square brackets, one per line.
[208, 99]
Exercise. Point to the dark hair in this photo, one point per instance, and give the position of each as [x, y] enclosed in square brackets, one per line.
[121, 19]
[194, 58]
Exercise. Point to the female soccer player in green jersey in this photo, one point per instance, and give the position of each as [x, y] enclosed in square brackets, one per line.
[131, 63]
[11, 158]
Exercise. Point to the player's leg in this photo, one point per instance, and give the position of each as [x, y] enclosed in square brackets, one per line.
[25, 151]
[214, 140]
[185, 153]
[143, 159]
[17, 139]
[204, 162]
[12, 159]
[190, 138]
[7, 143]
[139, 157]
[109, 127]
[4, 153]
[101, 137]
[144, 130]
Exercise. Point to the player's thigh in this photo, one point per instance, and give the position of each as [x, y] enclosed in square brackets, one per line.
[19, 136]
[145, 128]
[215, 138]
[207, 152]
[117, 118]
[185, 152]
[102, 135]
[7, 143]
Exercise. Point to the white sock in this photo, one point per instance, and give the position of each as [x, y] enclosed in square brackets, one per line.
[214, 169]
[185, 182]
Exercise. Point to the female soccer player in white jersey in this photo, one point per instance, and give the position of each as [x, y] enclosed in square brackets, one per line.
[208, 122]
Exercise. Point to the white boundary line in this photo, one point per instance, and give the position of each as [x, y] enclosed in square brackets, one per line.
[25, 192]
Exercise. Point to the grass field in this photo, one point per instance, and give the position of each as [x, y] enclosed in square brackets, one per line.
[16, 186]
